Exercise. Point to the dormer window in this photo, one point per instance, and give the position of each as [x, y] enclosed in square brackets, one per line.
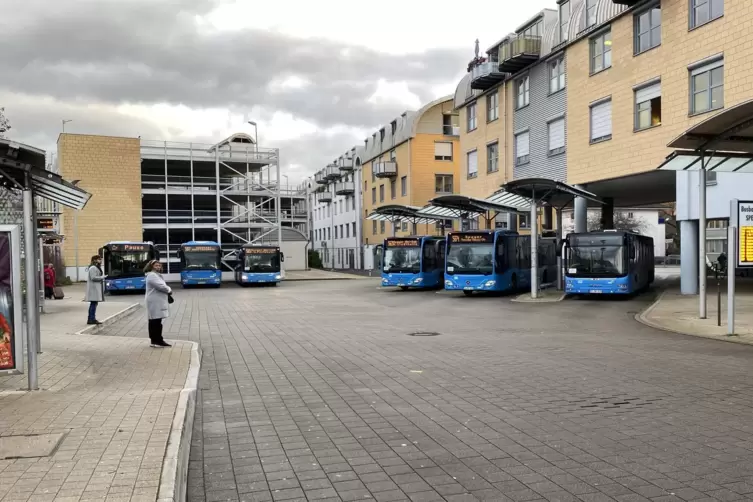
[591, 12]
[493, 55]
[535, 30]
[394, 126]
[381, 135]
[564, 22]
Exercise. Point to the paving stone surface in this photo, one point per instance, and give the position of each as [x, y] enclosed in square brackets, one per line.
[315, 391]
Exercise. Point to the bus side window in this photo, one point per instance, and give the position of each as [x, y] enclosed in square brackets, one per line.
[429, 257]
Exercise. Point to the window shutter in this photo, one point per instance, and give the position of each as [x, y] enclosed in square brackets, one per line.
[557, 134]
[521, 145]
[442, 149]
[601, 120]
[648, 93]
[472, 163]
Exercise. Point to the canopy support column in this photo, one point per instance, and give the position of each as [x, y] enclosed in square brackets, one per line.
[560, 260]
[30, 269]
[702, 237]
[534, 248]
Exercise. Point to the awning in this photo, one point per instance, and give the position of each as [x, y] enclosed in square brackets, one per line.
[395, 212]
[17, 159]
[457, 206]
[720, 162]
[546, 191]
[728, 131]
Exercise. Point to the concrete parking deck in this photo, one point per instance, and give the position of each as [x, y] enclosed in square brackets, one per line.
[339, 391]
[113, 402]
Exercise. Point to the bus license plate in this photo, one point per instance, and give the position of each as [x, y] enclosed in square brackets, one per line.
[595, 291]
[202, 282]
[130, 287]
[468, 288]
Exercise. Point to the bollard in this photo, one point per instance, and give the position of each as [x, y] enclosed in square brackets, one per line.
[718, 299]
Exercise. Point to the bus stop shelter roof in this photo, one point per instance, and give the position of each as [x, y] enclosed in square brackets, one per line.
[17, 160]
[546, 191]
[396, 212]
[453, 206]
[722, 143]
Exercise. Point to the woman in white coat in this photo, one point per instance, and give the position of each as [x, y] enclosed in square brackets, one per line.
[157, 301]
[95, 291]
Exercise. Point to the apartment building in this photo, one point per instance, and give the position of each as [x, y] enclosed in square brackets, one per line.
[170, 193]
[408, 162]
[336, 209]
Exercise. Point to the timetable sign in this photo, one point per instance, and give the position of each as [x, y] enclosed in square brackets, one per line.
[745, 234]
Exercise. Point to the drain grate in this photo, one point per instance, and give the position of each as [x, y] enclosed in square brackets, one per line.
[424, 333]
[614, 402]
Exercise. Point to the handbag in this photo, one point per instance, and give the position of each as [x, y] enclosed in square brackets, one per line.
[170, 298]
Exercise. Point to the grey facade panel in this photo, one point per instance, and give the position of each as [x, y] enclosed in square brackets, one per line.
[535, 117]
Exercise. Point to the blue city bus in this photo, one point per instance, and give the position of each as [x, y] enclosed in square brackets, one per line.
[495, 261]
[259, 265]
[609, 262]
[200, 263]
[124, 263]
[413, 262]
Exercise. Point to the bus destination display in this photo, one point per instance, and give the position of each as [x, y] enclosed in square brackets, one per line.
[261, 250]
[402, 243]
[198, 249]
[129, 247]
[471, 238]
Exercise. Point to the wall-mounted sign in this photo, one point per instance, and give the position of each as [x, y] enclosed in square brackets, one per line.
[11, 341]
[472, 238]
[46, 223]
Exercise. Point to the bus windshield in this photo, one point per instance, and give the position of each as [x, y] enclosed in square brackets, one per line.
[592, 261]
[402, 260]
[127, 263]
[262, 262]
[201, 260]
[470, 259]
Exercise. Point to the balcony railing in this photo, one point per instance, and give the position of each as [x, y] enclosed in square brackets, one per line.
[385, 169]
[450, 130]
[320, 178]
[332, 172]
[629, 3]
[486, 75]
[200, 152]
[346, 164]
[345, 188]
[520, 53]
[208, 184]
[324, 197]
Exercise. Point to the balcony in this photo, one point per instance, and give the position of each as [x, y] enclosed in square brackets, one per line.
[345, 188]
[346, 164]
[324, 197]
[386, 169]
[486, 75]
[320, 178]
[450, 130]
[332, 172]
[520, 53]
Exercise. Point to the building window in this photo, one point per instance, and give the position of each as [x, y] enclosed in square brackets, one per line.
[492, 106]
[522, 152]
[341, 232]
[442, 150]
[347, 230]
[601, 121]
[374, 227]
[446, 224]
[329, 233]
[373, 195]
[564, 21]
[381, 193]
[707, 87]
[381, 227]
[647, 28]
[492, 157]
[556, 75]
[443, 183]
[556, 130]
[404, 186]
[601, 52]
[335, 231]
[523, 91]
[648, 106]
[404, 226]
[393, 189]
[703, 11]
[524, 221]
[393, 155]
[472, 163]
[591, 12]
[716, 246]
[712, 180]
[449, 125]
[354, 229]
[471, 110]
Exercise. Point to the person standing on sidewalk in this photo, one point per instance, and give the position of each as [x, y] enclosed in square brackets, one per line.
[95, 288]
[158, 296]
[49, 281]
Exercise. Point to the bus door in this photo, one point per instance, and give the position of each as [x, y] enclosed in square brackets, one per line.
[440, 248]
[428, 257]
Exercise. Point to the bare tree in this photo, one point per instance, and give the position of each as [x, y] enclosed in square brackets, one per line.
[622, 221]
[4, 123]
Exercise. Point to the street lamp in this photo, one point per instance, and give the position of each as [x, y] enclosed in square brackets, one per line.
[65, 121]
[75, 230]
[256, 134]
[287, 189]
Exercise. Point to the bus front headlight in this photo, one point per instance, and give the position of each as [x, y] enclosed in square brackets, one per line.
[448, 283]
[108, 284]
[490, 284]
[278, 277]
[244, 277]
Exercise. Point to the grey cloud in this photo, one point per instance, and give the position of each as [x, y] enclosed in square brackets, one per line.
[152, 52]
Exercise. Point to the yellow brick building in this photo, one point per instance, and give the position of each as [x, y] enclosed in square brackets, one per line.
[408, 162]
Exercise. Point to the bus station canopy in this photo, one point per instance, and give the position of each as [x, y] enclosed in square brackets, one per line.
[722, 143]
[396, 212]
[545, 191]
[17, 160]
[457, 206]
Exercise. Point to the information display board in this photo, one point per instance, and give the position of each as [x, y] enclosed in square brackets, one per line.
[744, 233]
[11, 333]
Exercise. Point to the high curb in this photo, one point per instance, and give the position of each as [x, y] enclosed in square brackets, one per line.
[174, 476]
[130, 310]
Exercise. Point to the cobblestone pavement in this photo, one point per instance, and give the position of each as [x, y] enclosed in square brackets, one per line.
[315, 391]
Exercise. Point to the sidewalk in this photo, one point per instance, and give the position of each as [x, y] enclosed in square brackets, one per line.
[108, 422]
[679, 313]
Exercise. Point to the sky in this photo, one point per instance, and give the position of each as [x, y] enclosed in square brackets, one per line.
[317, 77]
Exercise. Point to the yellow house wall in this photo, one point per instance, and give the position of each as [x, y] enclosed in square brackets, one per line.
[631, 152]
[110, 169]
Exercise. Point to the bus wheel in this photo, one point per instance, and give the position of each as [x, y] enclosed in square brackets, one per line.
[467, 293]
[404, 288]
